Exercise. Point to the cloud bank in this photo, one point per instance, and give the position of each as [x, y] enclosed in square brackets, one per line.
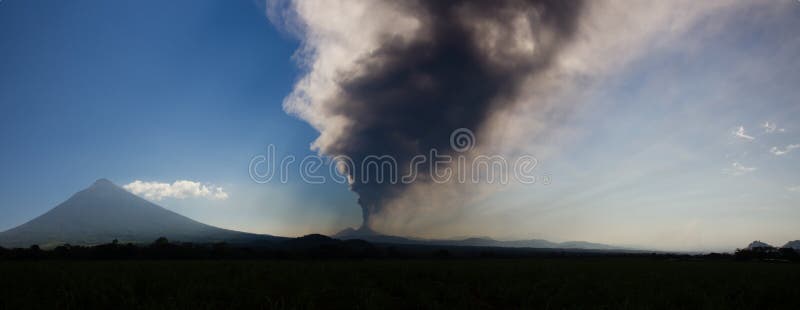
[180, 189]
[780, 152]
[741, 134]
[739, 169]
[772, 128]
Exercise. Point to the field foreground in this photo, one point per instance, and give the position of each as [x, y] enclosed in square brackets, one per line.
[579, 283]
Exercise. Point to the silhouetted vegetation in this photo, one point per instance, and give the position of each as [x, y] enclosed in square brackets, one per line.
[311, 246]
[768, 253]
[565, 282]
[323, 247]
[319, 272]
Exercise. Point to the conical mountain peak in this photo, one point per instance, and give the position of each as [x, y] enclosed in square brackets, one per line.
[104, 212]
[103, 182]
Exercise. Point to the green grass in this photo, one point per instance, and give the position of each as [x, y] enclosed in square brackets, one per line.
[579, 283]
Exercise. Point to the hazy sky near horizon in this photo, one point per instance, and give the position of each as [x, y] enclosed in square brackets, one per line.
[693, 144]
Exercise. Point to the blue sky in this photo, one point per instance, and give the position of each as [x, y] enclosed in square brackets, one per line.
[148, 90]
[191, 90]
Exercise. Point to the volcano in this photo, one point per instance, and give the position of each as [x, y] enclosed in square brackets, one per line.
[105, 212]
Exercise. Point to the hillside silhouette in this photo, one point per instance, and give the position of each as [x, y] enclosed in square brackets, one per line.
[105, 212]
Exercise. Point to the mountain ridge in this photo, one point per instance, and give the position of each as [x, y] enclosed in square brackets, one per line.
[104, 212]
[372, 236]
[795, 244]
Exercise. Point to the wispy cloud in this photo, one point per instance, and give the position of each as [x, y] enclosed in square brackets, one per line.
[180, 189]
[780, 152]
[738, 169]
[795, 188]
[771, 127]
[742, 134]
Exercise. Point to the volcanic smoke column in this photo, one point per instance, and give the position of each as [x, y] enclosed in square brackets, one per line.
[397, 77]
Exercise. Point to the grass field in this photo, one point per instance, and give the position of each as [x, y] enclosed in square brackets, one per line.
[579, 283]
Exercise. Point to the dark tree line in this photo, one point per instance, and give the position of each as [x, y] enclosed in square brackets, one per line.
[768, 253]
[312, 246]
[322, 247]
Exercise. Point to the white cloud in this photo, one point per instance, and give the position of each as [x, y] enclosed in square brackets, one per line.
[779, 152]
[794, 188]
[180, 189]
[739, 169]
[741, 134]
[771, 127]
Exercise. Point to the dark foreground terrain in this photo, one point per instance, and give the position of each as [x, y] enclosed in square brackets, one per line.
[566, 282]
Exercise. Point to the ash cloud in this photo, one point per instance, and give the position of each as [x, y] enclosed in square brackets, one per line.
[397, 77]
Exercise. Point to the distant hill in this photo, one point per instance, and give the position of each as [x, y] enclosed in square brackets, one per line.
[371, 236]
[793, 245]
[104, 212]
[759, 245]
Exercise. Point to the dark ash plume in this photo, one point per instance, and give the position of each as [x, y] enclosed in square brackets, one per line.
[462, 61]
